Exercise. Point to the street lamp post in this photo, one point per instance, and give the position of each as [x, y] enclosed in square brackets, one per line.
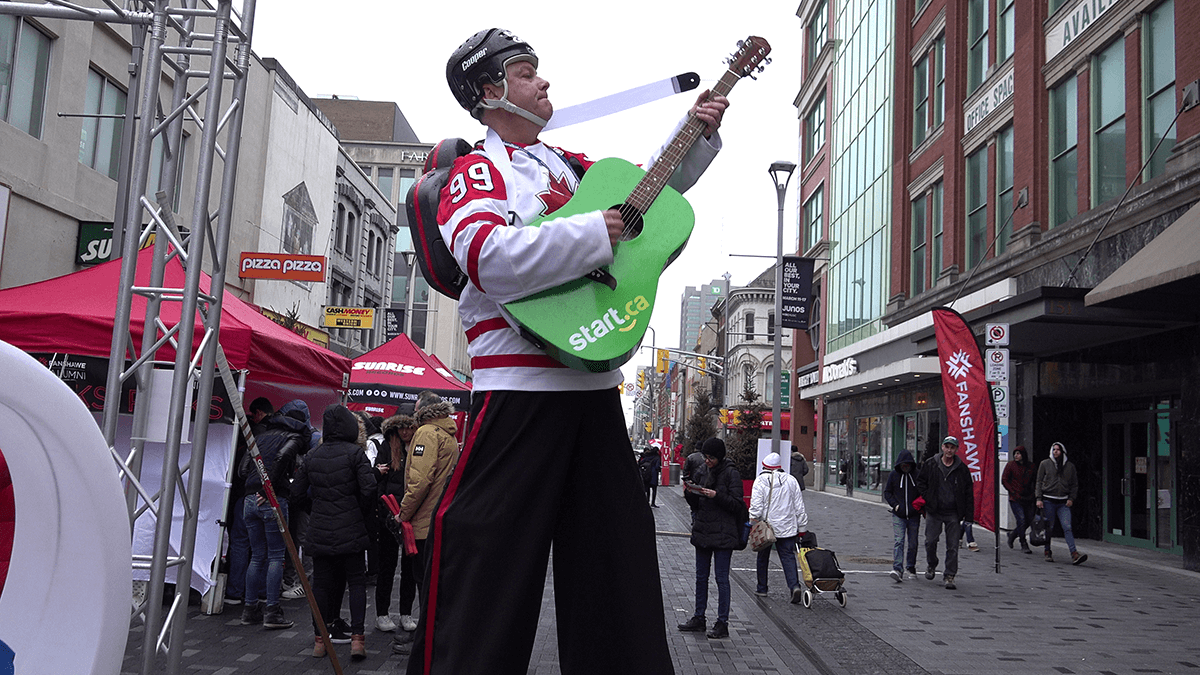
[725, 363]
[653, 382]
[781, 174]
[410, 260]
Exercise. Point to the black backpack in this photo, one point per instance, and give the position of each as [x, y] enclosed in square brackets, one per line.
[438, 266]
[437, 263]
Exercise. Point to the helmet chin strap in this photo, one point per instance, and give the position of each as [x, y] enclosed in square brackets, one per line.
[503, 103]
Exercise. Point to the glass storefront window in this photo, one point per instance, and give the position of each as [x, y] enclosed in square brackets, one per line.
[869, 454]
[836, 458]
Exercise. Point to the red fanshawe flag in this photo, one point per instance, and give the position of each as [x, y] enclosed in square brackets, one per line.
[969, 413]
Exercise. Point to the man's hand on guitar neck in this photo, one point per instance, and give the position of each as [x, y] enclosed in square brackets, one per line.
[710, 111]
[615, 224]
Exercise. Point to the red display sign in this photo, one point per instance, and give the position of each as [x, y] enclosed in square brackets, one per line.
[287, 266]
[969, 413]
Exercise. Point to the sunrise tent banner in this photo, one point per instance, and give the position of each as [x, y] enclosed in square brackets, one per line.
[969, 413]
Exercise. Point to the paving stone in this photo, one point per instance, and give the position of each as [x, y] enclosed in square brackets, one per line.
[1123, 611]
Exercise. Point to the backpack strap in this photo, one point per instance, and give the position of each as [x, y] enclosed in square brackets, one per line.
[438, 265]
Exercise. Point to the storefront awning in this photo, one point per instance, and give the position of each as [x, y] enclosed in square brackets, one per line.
[1165, 274]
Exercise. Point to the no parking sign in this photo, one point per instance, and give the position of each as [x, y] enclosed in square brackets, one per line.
[997, 335]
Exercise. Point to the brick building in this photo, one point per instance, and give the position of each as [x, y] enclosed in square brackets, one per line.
[1029, 187]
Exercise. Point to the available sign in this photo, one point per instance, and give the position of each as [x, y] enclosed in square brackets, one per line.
[349, 317]
[286, 266]
[1079, 19]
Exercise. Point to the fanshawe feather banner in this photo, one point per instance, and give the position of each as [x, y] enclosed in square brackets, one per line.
[969, 412]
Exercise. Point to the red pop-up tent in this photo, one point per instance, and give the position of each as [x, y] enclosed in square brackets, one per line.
[68, 322]
[74, 314]
[387, 379]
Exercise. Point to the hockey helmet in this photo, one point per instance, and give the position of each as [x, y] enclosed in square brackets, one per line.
[482, 59]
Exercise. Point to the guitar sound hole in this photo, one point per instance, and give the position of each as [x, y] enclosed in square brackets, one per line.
[633, 221]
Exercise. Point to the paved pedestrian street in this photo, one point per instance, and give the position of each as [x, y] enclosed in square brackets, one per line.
[1123, 611]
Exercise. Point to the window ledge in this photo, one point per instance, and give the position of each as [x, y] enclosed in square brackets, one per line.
[933, 137]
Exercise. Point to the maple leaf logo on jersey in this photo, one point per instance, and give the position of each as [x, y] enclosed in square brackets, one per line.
[958, 364]
[558, 194]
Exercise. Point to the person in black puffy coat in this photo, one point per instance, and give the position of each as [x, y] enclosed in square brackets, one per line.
[336, 477]
[719, 517]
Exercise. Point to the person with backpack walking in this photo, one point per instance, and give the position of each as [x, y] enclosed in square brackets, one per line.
[650, 466]
[495, 526]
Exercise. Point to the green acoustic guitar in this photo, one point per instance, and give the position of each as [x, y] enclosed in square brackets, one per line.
[596, 323]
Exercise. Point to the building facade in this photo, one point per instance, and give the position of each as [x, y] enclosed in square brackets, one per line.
[379, 139]
[748, 326]
[695, 309]
[61, 144]
[845, 106]
[1045, 177]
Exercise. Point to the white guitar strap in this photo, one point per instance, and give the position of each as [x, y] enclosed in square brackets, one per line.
[614, 103]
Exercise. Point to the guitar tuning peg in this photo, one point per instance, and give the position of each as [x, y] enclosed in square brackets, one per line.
[751, 75]
[766, 60]
[741, 43]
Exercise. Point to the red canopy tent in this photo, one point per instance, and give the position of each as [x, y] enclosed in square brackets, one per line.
[73, 314]
[387, 379]
[67, 323]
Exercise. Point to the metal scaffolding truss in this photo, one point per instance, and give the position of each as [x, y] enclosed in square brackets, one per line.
[199, 46]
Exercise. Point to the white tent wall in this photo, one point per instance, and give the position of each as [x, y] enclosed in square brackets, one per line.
[213, 495]
[222, 442]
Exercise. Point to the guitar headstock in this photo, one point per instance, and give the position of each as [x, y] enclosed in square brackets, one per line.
[750, 57]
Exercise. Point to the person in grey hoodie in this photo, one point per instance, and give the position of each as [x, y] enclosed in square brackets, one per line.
[1056, 491]
[902, 494]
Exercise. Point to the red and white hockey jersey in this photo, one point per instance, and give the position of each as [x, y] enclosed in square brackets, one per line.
[485, 206]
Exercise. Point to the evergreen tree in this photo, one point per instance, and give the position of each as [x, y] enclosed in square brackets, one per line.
[742, 444]
[701, 426]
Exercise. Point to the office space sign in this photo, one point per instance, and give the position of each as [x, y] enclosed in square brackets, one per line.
[796, 292]
[995, 96]
[285, 266]
[349, 317]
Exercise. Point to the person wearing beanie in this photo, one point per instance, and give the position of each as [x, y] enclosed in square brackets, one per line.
[1018, 478]
[776, 498]
[1056, 491]
[719, 516]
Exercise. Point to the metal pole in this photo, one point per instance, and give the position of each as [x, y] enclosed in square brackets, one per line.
[653, 383]
[410, 259]
[725, 347]
[183, 369]
[781, 174]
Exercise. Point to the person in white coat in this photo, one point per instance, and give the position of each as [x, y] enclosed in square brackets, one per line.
[776, 498]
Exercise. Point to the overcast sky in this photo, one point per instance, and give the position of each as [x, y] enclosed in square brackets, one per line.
[385, 50]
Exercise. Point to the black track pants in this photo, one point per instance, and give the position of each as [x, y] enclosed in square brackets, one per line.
[542, 470]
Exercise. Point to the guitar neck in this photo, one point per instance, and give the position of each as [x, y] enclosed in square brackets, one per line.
[656, 178]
